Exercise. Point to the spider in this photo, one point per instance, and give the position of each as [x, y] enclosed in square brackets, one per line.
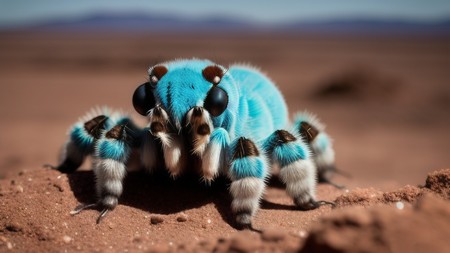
[227, 121]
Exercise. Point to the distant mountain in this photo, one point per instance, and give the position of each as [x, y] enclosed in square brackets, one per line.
[133, 22]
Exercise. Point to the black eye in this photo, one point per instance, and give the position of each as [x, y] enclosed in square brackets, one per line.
[156, 74]
[143, 99]
[216, 101]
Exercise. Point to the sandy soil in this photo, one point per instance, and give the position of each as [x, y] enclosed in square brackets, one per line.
[385, 102]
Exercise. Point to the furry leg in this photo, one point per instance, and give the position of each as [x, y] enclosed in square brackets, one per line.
[111, 155]
[313, 132]
[297, 170]
[82, 138]
[171, 143]
[248, 170]
[215, 154]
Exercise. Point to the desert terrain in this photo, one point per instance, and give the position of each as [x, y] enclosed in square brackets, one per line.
[385, 102]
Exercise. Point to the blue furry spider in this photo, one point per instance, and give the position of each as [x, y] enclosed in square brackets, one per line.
[231, 120]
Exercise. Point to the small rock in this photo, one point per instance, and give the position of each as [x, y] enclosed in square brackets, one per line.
[9, 245]
[18, 189]
[182, 217]
[67, 239]
[14, 227]
[137, 239]
[156, 219]
[58, 186]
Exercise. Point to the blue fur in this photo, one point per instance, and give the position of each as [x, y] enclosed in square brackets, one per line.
[112, 149]
[249, 166]
[81, 138]
[289, 153]
[285, 153]
[252, 98]
[220, 136]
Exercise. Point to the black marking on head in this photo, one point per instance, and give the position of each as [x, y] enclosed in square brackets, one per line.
[95, 126]
[156, 74]
[117, 132]
[284, 136]
[203, 129]
[245, 147]
[308, 131]
[213, 74]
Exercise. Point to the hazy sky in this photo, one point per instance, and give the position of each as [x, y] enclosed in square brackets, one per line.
[17, 12]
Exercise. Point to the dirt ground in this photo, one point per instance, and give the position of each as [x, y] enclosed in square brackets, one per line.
[385, 101]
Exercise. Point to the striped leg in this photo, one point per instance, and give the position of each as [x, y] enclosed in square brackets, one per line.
[297, 170]
[313, 132]
[111, 155]
[82, 138]
[248, 170]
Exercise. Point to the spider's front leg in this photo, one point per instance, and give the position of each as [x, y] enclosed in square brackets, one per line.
[248, 170]
[211, 145]
[111, 154]
[297, 170]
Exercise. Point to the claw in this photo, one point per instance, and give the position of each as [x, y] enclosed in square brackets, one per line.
[82, 207]
[102, 215]
[324, 202]
[313, 204]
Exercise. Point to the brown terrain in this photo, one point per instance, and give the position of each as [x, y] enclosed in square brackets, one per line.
[385, 101]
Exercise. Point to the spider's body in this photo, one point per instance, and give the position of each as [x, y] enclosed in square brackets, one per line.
[231, 120]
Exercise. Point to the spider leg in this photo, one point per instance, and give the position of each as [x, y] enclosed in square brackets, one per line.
[313, 133]
[172, 144]
[297, 170]
[214, 157]
[111, 155]
[82, 138]
[248, 170]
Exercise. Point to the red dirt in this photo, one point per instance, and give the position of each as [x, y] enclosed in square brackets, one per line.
[385, 137]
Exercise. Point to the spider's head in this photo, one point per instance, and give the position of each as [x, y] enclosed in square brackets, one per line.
[179, 86]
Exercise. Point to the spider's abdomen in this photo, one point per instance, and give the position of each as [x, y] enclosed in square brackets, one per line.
[262, 108]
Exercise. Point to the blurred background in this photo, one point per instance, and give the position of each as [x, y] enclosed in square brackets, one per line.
[376, 72]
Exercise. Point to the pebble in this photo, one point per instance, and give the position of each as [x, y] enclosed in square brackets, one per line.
[182, 217]
[14, 227]
[67, 239]
[155, 219]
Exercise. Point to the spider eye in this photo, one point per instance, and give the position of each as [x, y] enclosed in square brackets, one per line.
[216, 101]
[143, 99]
[213, 74]
[156, 74]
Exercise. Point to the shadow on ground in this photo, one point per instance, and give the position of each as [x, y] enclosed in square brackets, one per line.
[160, 194]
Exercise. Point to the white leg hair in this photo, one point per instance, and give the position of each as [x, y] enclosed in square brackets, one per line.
[212, 159]
[246, 194]
[200, 123]
[172, 144]
[300, 180]
[110, 174]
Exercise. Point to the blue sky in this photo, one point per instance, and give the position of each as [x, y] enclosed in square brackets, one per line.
[23, 12]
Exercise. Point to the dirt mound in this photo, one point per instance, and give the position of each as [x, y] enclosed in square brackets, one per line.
[385, 229]
[358, 83]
